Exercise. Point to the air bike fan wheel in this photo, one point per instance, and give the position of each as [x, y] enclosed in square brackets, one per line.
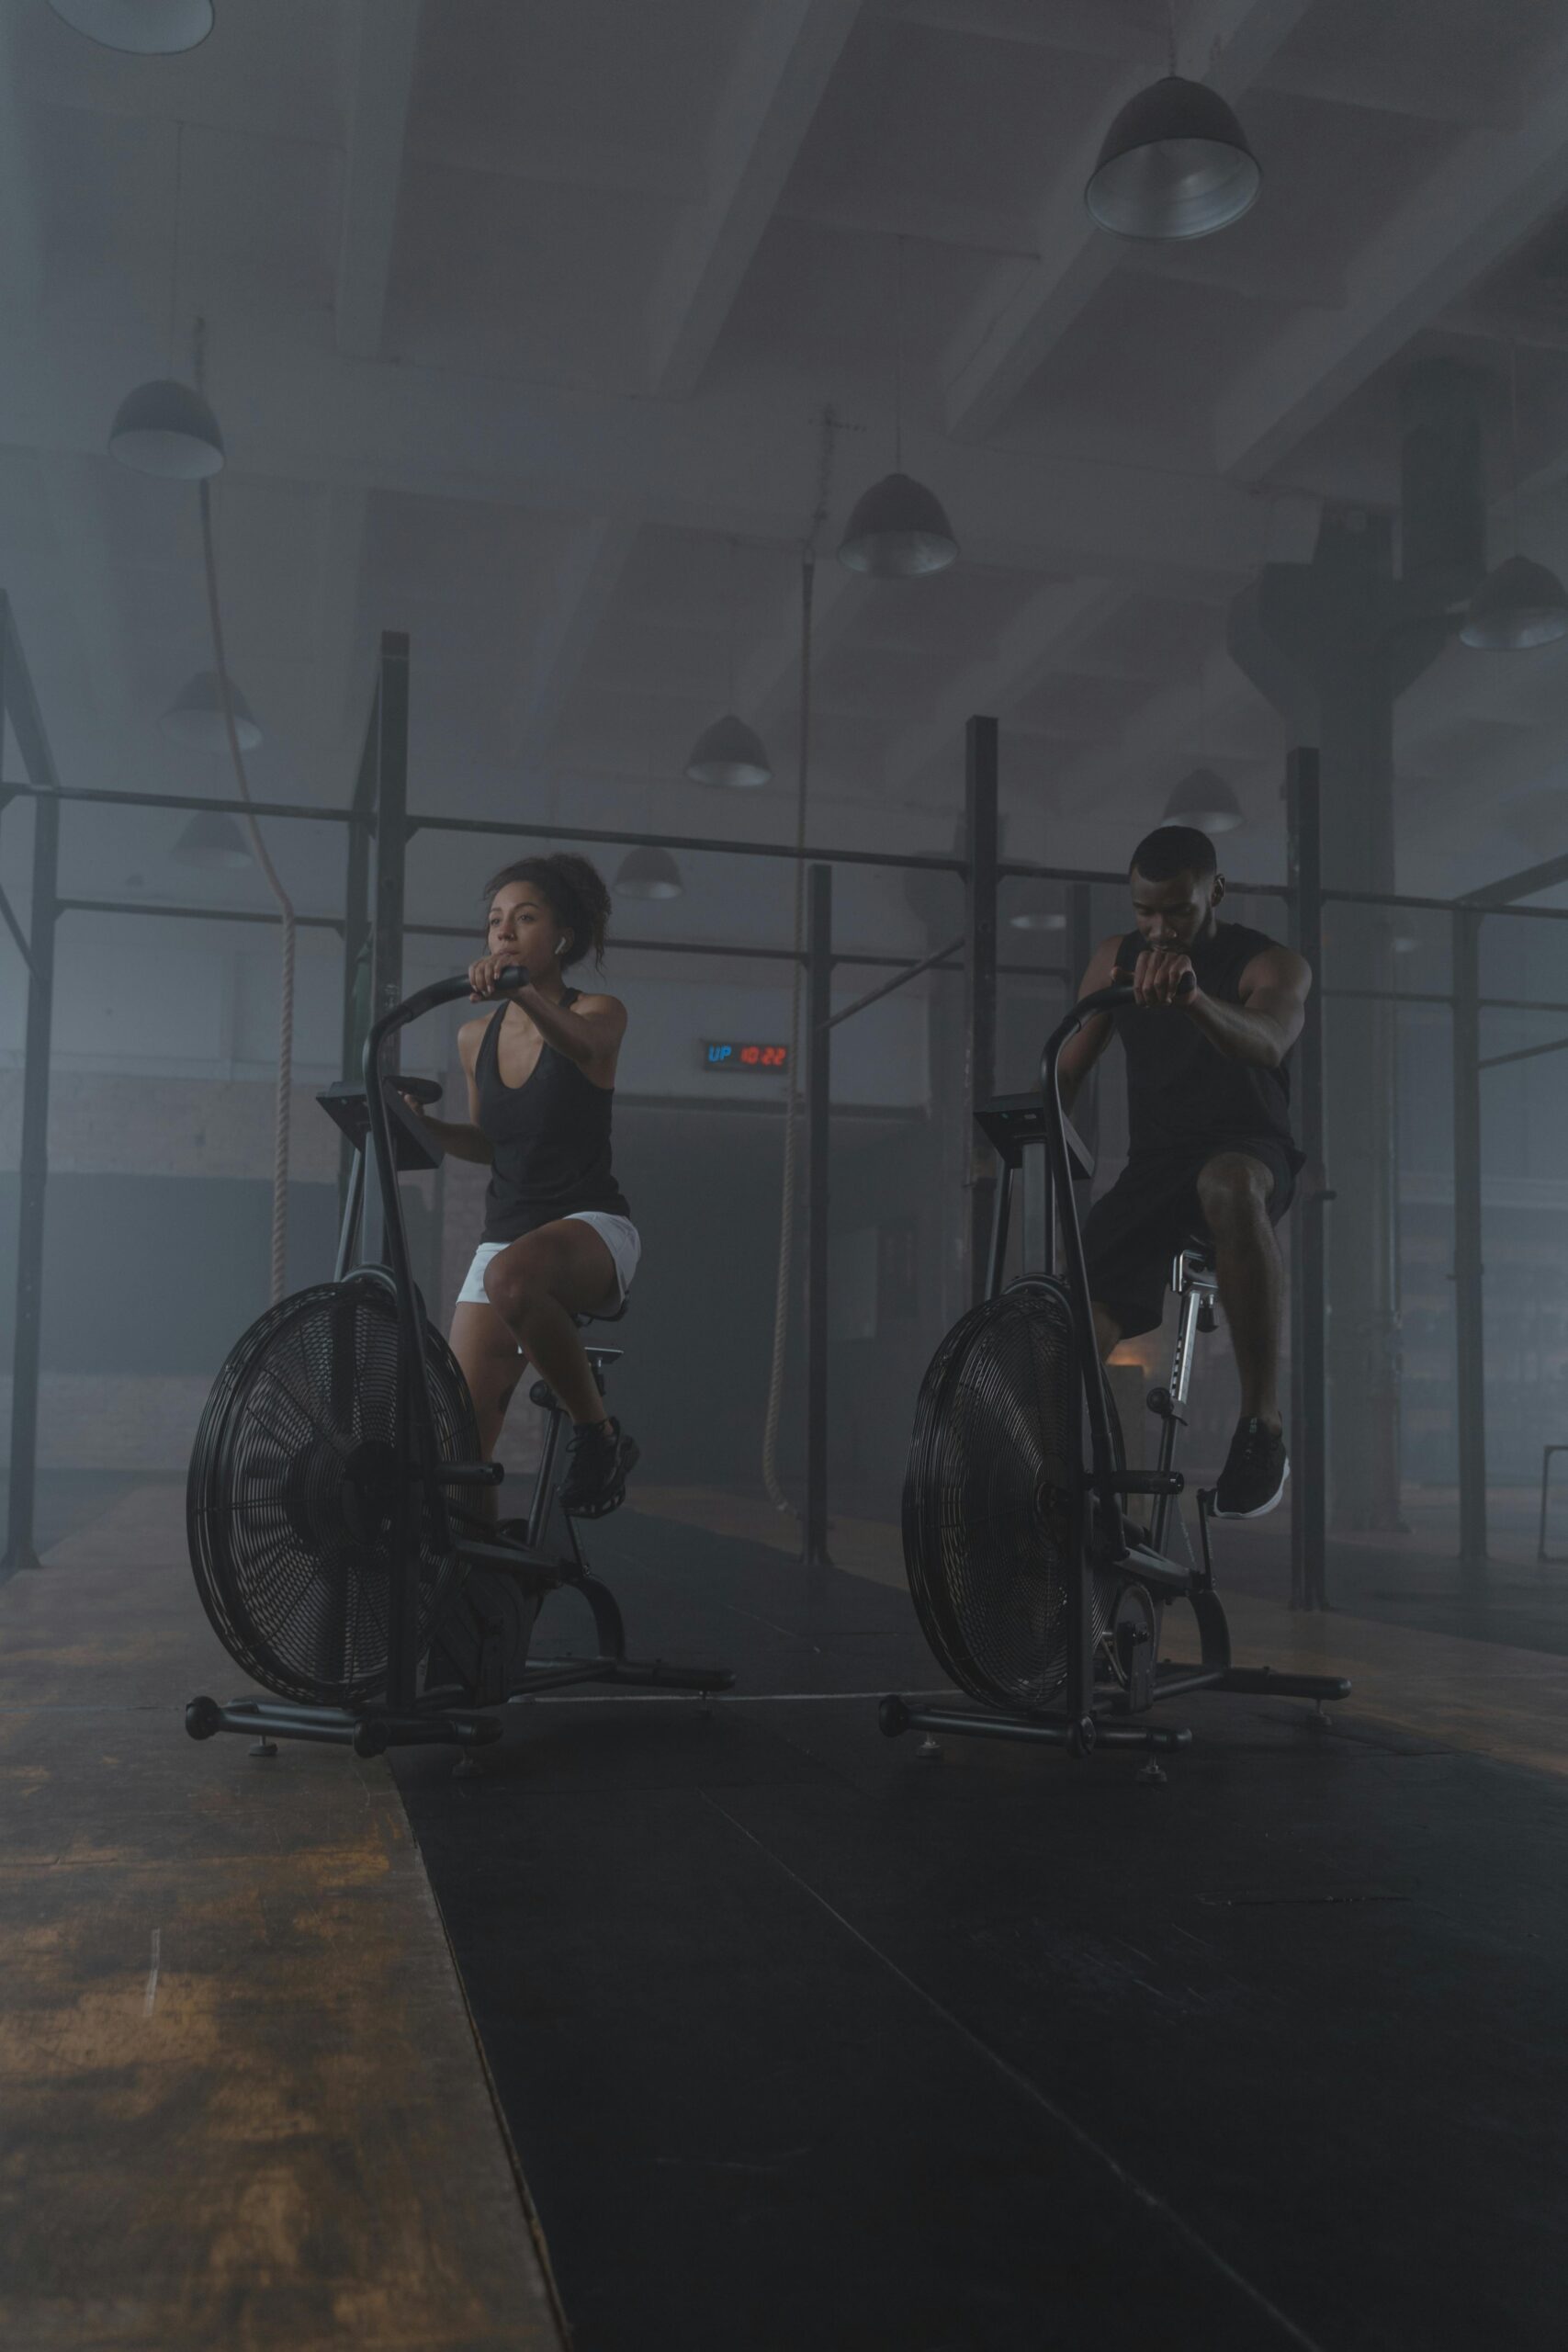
[993, 1504]
[289, 1501]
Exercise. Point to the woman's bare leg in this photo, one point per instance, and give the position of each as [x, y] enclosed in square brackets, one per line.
[535, 1286]
[490, 1363]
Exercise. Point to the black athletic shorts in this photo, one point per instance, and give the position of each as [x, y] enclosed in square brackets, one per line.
[1132, 1235]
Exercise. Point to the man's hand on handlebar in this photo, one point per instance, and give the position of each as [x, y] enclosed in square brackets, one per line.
[484, 975]
[1162, 976]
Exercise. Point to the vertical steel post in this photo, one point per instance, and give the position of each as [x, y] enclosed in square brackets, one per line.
[390, 819]
[392, 822]
[980, 851]
[818, 1111]
[20, 1543]
[1309, 1310]
[357, 937]
[1470, 1346]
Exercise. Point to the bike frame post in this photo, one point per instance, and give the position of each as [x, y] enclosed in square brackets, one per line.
[819, 1113]
[1192, 1296]
[1309, 1255]
[980, 885]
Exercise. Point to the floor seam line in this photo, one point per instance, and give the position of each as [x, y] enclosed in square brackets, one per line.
[1032, 2090]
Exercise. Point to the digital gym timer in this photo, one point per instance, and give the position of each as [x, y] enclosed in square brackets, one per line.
[725, 1054]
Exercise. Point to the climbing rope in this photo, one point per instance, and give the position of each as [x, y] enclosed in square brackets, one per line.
[286, 910]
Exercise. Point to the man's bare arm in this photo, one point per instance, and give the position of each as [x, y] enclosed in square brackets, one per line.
[1263, 1027]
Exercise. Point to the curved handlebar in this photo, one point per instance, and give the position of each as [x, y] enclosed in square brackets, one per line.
[1114, 999]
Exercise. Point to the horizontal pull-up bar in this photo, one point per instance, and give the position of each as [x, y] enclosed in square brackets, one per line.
[300, 810]
[191, 914]
[1438, 906]
[758, 955]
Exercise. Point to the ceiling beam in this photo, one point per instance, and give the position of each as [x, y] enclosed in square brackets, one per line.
[1039, 640]
[584, 587]
[1160, 744]
[1020, 317]
[738, 461]
[343, 630]
[386, 36]
[785, 59]
[768, 686]
[1463, 218]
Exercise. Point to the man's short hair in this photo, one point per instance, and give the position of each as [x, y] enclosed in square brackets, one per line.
[1171, 850]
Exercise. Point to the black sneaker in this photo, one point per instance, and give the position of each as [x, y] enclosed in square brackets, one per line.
[601, 1456]
[1256, 1470]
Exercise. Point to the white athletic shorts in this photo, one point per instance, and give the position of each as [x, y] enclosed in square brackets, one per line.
[618, 1234]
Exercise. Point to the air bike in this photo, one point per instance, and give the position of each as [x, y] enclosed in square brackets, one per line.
[331, 1501]
[1038, 1594]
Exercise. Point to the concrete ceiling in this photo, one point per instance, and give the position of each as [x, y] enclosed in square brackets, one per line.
[521, 317]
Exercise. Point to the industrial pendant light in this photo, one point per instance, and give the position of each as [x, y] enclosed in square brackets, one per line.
[898, 529]
[212, 840]
[1205, 800]
[1519, 603]
[1035, 912]
[1201, 798]
[649, 874]
[1175, 163]
[195, 715]
[146, 28]
[729, 753]
[163, 427]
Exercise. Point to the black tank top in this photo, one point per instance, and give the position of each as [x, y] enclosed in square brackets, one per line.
[1181, 1089]
[550, 1138]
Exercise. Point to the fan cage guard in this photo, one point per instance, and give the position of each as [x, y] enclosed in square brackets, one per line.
[288, 1503]
[994, 1502]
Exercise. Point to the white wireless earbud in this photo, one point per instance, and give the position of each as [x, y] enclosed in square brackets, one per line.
[560, 947]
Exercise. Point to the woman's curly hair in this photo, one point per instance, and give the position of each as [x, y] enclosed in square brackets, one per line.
[576, 895]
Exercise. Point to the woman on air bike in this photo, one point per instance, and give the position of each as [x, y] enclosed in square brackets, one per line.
[559, 1240]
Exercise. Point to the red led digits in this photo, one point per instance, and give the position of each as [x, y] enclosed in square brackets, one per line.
[721, 1053]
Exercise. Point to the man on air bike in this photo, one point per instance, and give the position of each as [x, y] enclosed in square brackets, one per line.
[1210, 1149]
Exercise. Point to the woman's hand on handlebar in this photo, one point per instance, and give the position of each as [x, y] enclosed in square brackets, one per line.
[1162, 976]
[484, 975]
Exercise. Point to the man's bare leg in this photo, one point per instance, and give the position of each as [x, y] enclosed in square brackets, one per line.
[1234, 1190]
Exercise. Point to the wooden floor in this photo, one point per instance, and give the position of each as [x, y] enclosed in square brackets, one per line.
[243, 2106]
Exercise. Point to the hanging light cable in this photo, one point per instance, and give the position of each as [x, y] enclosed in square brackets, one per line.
[773, 1410]
[898, 529]
[1175, 163]
[729, 753]
[283, 1101]
[166, 427]
[1520, 605]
